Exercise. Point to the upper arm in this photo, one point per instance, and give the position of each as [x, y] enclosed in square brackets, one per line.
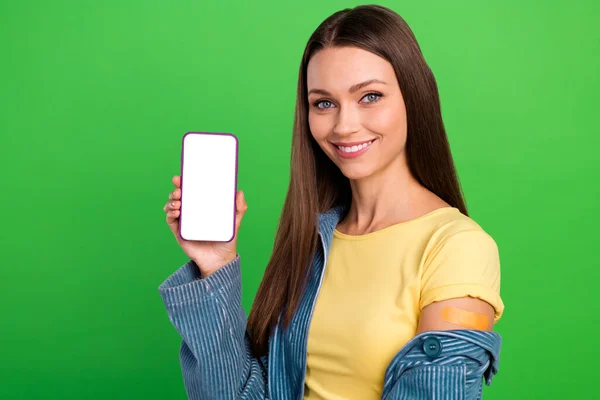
[461, 280]
[457, 313]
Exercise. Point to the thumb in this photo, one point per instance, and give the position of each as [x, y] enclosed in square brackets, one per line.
[241, 208]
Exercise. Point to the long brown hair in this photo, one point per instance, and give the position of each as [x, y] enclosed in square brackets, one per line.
[316, 184]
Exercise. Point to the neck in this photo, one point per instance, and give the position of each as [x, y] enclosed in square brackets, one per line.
[391, 196]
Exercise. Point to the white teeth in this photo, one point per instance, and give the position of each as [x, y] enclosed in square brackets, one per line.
[356, 148]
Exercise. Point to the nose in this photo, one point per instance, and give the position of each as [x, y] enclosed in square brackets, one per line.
[347, 122]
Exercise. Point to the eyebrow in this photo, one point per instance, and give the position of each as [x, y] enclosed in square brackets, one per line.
[352, 89]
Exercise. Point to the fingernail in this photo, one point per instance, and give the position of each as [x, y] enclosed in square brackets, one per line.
[173, 204]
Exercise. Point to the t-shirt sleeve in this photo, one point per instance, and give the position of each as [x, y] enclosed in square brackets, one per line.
[465, 264]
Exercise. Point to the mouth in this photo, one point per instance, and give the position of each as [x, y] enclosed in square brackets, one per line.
[352, 150]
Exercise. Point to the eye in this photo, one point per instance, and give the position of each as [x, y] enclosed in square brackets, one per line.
[325, 103]
[372, 97]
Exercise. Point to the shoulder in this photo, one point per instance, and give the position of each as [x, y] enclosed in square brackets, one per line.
[454, 231]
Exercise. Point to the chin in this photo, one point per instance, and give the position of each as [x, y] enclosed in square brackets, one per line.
[355, 172]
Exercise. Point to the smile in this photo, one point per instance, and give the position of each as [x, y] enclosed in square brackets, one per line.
[352, 150]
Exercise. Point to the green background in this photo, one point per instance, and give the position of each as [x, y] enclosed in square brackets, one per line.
[94, 100]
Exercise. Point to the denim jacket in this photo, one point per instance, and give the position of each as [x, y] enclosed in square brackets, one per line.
[217, 362]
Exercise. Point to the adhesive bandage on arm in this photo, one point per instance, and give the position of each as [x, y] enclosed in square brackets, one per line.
[467, 319]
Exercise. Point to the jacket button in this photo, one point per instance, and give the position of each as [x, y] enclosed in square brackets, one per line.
[432, 347]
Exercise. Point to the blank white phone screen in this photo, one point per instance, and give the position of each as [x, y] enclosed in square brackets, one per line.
[208, 186]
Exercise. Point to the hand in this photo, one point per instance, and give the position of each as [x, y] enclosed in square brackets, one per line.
[209, 256]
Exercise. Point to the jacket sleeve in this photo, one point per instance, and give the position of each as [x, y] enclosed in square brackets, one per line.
[443, 365]
[215, 355]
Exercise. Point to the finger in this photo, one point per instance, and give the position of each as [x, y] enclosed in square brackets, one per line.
[177, 181]
[175, 195]
[172, 215]
[172, 205]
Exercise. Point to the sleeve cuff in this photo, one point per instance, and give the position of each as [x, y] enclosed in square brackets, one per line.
[185, 285]
[463, 290]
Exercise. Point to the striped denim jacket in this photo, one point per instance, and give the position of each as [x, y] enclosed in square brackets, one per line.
[217, 363]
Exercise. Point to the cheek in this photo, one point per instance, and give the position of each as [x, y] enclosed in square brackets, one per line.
[319, 127]
[390, 123]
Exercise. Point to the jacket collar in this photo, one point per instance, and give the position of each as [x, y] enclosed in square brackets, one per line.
[329, 220]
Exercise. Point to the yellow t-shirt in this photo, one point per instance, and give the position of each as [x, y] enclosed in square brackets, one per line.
[374, 288]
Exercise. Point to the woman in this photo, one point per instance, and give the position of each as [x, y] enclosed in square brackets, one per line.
[379, 285]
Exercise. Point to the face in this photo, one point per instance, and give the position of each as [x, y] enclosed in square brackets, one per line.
[356, 111]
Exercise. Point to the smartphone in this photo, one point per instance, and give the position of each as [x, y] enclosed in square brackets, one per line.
[209, 164]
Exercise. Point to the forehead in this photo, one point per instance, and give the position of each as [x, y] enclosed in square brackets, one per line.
[340, 67]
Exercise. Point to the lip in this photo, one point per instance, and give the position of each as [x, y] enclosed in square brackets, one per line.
[350, 144]
[355, 154]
